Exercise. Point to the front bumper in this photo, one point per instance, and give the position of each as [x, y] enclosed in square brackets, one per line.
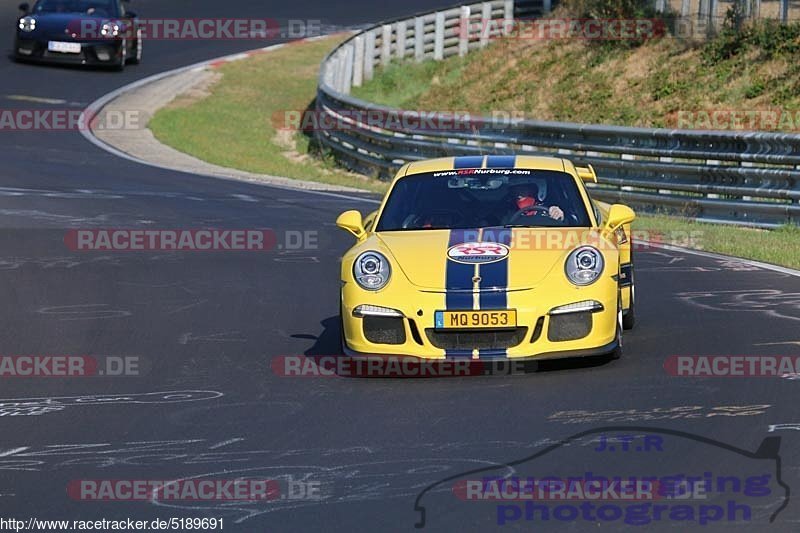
[539, 334]
[96, 53]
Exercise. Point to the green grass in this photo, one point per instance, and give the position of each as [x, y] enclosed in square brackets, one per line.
[779, 247]
[581, 81]
[235, 125]
[399, 85]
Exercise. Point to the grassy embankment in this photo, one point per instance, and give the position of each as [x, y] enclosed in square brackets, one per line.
[552, 80]
[240, 122]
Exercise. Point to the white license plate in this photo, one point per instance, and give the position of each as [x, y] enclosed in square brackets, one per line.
[64, 48]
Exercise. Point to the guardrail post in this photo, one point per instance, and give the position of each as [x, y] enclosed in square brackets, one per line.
[712, 14]
[369, 55]
[660, 6]
[332, 72]
[327, 75]
[358, 60]
[547, 6]
[508, 16]
[706, 15]
[438, 40]
[386, 44]
[337, 73]
[342, 81]
[400, 40]
[486, 22]
[419, 38]
[347, 81]
[686, 8]
[784, 11]
[463, 31]
[703, 9]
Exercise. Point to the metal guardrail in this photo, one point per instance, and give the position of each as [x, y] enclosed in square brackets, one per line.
[733, 177]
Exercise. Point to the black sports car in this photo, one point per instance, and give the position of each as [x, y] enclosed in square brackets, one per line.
[81, 32]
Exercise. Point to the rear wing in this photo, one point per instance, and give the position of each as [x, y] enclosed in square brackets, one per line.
[587, 174]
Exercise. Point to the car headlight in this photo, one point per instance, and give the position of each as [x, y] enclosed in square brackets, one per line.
[110, 29]
[584, 265]
[27, 23]
[372, 271]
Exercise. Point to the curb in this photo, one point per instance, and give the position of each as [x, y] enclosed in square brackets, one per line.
[319, 188]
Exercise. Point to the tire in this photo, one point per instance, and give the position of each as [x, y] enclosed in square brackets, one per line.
[137, 57]
[629, 318]
[120, 66]
[617, 353]
[342, 343]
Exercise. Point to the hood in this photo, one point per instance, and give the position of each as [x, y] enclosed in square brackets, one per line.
[515, 259]
[67, 26]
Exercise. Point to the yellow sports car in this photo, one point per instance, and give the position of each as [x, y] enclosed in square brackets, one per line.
[487, 257]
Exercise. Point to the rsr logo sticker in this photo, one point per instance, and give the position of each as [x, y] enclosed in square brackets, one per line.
[477, 252]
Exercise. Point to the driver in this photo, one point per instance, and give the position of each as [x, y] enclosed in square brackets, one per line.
[526, 197]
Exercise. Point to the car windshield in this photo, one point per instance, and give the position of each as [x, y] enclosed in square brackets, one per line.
[99, 8]
[475, 198]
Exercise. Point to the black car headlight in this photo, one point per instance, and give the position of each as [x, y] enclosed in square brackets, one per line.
[27, 24]
[584, 265]
[372, 271]
[110, 29]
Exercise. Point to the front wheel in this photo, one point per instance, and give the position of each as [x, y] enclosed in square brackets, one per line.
[342, 343]
[617, 353]
[629, 317]
[123, 57]
[137, 57]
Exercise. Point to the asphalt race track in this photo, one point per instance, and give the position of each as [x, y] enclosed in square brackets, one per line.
[206, 326]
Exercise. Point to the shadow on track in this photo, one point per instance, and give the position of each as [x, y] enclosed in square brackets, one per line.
[327, 343]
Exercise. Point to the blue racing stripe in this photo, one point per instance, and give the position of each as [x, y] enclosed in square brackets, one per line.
[468, 161]
[458, 282]
[501, 161]
[492, 354]
[495, 275]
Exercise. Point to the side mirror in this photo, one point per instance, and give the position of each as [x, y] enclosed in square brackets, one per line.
[618, 216]
[352, 222]
[587, 174]
[24, 7]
